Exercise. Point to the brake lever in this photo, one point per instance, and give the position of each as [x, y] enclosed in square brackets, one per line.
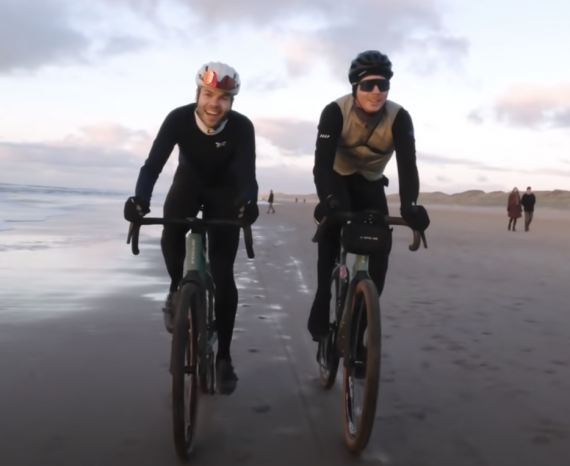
[133, 237]
[423, 237]
[130, 233]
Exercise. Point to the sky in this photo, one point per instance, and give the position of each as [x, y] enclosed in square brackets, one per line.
[84, 86]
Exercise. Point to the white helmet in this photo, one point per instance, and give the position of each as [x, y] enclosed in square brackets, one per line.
[219, 76]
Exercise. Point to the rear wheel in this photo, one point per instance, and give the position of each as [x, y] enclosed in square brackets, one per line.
[361, 376]
[184, 368]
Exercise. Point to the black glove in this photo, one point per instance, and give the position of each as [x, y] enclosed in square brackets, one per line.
[333, 203]
[327, 207]
[248, 211]
[135, 208]
[416, 217]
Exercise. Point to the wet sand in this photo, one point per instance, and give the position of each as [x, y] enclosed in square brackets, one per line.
[476, 356]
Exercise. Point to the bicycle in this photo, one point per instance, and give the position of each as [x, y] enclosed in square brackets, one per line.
[355, 327]
[194, 332]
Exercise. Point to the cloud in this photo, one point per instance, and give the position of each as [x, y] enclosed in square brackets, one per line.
[333, 31]
[120, 44]
[293, 137]
[111, 134]
[63, 155]
[476, 116]
[460, 187]
[482, 179]
[109, 156]
[330, 31]
[407, 26]
[531, 106]
[443, 179]
[104, 155]
[285, 180]
[265, 84]
[297, 138]
[66, 165]
[443, 160]
[36, 33]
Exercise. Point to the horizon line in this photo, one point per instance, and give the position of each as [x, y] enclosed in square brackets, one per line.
[120, 191]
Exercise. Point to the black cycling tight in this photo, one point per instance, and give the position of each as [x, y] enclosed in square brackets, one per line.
[184, 200]
[355, 193]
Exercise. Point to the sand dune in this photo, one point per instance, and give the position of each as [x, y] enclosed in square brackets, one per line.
[553, 199]
[557, 198]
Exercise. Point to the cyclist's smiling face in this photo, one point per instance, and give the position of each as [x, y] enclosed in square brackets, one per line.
[371, 101]
[212, 105]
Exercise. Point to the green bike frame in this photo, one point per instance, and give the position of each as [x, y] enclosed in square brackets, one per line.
[197, 269]
[195, 254]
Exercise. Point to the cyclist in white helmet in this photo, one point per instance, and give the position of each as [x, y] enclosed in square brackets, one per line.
[216, 172]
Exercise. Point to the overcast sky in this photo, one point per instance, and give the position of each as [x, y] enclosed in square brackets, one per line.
[84, 86]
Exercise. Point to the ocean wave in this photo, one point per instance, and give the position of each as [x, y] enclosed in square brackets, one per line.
[16, 212]
[21, 204]
[56, 190]
[30, 203]
[4, 226]
[58, 242]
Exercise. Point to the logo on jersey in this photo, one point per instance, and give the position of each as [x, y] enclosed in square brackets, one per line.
[220, 144]
[324, 136]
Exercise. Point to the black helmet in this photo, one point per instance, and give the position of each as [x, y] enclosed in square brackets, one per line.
[367, 63]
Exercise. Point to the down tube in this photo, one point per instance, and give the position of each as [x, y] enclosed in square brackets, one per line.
[195, 258]
[360, 265]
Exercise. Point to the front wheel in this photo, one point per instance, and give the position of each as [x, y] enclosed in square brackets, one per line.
[207, 364]
[361, 376]
[327, 356]
[184, 369]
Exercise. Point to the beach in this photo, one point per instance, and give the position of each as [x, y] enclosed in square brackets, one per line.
[475, 356]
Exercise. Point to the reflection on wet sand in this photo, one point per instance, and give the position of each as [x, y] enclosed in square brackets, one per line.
[50, 268]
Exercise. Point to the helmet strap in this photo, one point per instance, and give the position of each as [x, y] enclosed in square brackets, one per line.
[369, 115]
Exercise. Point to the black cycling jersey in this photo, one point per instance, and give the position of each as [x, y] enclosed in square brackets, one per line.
[330, 125]
[223, 159]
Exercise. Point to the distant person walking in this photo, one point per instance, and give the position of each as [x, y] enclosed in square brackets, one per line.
[270, 200]
[528, 201]
[514, 208]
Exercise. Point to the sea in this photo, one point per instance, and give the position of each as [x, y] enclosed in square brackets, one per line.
[62, 247]
[21, 203]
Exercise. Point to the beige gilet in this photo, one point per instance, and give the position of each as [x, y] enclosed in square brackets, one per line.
[354, 154]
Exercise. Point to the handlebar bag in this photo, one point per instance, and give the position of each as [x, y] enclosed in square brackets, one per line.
[366, 239]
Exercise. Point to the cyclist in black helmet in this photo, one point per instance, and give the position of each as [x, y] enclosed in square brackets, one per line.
[357, 136]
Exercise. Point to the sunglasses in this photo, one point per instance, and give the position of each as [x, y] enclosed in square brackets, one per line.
[368, 85]
[210, 79]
